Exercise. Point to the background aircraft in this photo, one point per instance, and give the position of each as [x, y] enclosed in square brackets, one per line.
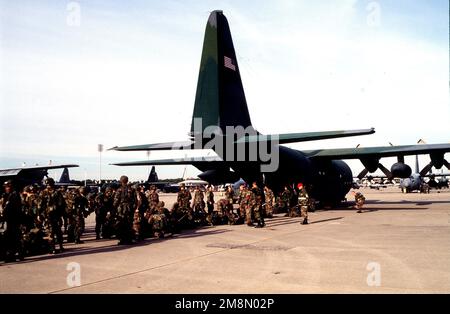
[412, 183]
[24, 176]
[416, 180]
[220, 103]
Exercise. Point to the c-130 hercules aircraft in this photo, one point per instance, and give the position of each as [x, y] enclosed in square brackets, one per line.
[220, 106]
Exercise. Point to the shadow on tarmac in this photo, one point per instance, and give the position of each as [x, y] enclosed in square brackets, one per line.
[89, 237]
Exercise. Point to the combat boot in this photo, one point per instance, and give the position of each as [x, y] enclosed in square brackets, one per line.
[260, 224]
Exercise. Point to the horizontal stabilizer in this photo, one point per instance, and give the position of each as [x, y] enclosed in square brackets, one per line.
[174, 161]
[304, 137]
[158, 146]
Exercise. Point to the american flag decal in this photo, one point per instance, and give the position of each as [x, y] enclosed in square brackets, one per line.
[228, 62]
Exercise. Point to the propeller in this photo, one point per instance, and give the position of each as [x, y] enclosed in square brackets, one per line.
[447, 164]
[363, 174]
[426, 169]
[385, 171]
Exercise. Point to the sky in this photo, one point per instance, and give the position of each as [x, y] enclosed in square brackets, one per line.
[75, 74]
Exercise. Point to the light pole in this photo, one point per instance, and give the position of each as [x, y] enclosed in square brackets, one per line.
[100, 150]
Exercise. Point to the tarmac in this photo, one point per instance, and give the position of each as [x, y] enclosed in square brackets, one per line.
[399, 244]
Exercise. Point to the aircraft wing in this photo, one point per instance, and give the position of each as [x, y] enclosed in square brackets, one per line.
[377, 152]
[157, 146]
[284, 138]
[173, 161]
[15, 171]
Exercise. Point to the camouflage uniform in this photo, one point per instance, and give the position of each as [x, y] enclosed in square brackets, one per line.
[286, 200]
[32, 233]
[303, 203]
[124, 202]
[69, 221]
[220, 216]
[359, 199]
[248, 201]
[183, 199]
[53, 206]
[425, 188]
[199, 207]
[229, 195]
[153, 198]
[103, 205]
[30, 202]
[141, 207]
[79, 212]
[12, 215]
[269, 202]
[158, 220]
[241, 201]
[257, 205]
[210, 204]
[184, 207]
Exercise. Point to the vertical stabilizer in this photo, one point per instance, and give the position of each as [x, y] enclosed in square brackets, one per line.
[220, 98]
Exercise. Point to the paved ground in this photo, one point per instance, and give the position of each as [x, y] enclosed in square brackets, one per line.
[405, 239]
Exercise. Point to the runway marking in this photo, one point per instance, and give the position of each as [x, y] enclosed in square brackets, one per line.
[248, 246]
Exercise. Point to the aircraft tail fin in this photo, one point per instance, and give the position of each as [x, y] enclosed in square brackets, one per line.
[153, 176]
[220, 98]
[65, 178]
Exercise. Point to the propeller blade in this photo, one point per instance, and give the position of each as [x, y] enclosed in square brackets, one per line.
[426, 169]
[385, 171]
[363, 174]
[447, 164]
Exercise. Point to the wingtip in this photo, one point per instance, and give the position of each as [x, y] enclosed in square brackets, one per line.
[113, 148]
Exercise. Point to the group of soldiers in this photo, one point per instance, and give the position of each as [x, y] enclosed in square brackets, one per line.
[40, 220]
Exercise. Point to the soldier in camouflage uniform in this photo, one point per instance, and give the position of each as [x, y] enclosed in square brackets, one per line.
[124, 202]
[53, 206]
[12, 215]
[199, 207]
[79, 212]
[69, 221]
[219, 216]
[268, 194]
[183, 200]
[247, 205]
[153, 197]
[141, 208]
[106, 213]
[158, 220]
[103, 205]
[256, 203]
[303, 203]
[242, 202]
[32, 233]
[286, 200]
[229, 195]
[210, 203]
[30, 207]
[359, 200]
